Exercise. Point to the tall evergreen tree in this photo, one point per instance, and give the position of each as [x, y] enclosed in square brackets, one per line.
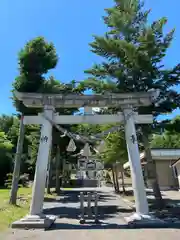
[133, 51]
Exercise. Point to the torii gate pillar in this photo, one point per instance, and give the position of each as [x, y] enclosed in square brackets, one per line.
[36, 219]
[135, 164]
[42, 163]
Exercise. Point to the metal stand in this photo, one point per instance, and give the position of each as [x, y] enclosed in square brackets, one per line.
[89, 199]
[82, 218]
[89, 215]
[96, 220]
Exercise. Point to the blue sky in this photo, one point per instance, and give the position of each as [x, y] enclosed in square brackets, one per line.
[70, 26]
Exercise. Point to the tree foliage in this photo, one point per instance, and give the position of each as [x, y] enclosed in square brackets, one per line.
[173, 125]
[35, 60]
[5, 156]
[166, 140]
[133, 51]
[170, 138]
[115, 148]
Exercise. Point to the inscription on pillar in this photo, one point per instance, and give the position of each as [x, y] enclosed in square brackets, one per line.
[133, 139]
[44, 139]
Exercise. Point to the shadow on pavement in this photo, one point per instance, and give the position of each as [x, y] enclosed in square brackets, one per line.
[105, 212]
[90, 226]
[73, 197]
[130, 193]
[67, 206]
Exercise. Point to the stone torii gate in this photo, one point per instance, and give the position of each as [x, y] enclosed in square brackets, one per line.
[48, 103]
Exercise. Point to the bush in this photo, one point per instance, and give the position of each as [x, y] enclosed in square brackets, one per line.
[23, 180]
[8, 181]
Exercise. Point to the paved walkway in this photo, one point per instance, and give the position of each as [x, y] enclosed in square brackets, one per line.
[172, 195]
[112, 210]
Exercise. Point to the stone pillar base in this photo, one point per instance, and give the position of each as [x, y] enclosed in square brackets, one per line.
[144, 221]
[34, 221]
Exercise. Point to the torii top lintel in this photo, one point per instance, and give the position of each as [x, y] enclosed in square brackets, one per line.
[38, 100]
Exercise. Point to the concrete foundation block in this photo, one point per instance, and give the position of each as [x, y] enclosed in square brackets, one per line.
[144, 221]
[34, 222]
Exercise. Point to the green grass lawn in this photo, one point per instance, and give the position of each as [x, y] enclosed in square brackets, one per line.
[9, 213]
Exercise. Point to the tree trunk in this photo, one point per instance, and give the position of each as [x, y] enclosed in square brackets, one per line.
[151, 171]
[58, 164]
[114, 182]
[122, 178]
[17, 164]
[116, 178]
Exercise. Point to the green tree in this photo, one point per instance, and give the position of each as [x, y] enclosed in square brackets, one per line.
[173, 125]
[10, 126]
[115, 154]
[5, 157]
[166, 140]
[6, 123]
[133, 51]
[35, 60]
[170, 137]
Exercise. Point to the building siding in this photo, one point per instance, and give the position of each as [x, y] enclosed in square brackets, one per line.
[165, 175]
